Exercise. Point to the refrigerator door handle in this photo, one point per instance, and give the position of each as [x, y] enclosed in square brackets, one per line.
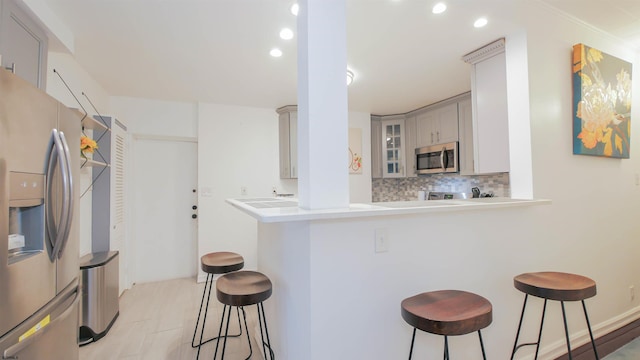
[68, 200]
[13, 350]
[57, 156]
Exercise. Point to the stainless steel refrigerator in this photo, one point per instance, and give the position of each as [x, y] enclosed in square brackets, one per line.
[39, 249]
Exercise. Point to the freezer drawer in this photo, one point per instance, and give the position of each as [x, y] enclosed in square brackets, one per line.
[100, 308]
[51, 333]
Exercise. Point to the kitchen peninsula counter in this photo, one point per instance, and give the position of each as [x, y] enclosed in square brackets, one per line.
[339, 275]
[274, 209]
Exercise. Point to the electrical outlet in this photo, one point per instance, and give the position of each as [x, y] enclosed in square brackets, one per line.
[243, 190]
[632, 292]
[381, 240]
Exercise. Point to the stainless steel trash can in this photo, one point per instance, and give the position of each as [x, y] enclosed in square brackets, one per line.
[99, 307]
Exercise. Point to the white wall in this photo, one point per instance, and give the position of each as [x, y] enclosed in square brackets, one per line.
[360, 184]
[79, 81]
[156, 117]
[237, 147]
[593, 225]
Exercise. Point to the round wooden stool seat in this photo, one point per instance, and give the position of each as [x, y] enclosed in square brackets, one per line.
[559, 286]
[221, 262]
[447, 312]
[243, 288]
[555, 285]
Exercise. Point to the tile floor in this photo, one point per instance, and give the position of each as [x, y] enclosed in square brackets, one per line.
[157, 320]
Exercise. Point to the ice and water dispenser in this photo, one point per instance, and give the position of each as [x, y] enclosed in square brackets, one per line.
[26, 215]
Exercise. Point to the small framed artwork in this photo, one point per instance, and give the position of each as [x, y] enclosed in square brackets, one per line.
[355, 151]
[601, 103]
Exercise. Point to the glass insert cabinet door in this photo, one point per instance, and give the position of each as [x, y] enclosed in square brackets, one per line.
[393, 148]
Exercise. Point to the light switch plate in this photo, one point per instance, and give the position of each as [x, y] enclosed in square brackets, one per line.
[381, 240]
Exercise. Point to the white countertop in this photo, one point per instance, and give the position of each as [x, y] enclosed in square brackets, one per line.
[274, 209]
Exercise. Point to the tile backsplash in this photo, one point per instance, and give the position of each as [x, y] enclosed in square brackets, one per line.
[406, 189]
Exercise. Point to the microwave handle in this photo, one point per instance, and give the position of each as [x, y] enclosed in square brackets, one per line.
[445, 162]
[442, 154]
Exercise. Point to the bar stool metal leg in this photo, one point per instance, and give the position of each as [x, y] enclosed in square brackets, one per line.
[516, 347]
[207, 294]
[446, 348]
[209, 282]
[224, 343]
[593, 343]
[262, 318]
[484, 356]
[413, 339]
[515, 344]
[544, 310]
[566, 330]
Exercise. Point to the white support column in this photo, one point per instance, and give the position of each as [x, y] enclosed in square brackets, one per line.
[323, 177]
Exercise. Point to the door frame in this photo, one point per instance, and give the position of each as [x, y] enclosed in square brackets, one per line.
[130, 276]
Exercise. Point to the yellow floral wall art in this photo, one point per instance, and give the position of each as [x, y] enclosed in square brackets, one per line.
[601, 103]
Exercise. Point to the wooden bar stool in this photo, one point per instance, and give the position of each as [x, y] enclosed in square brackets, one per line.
[554, 286]
[212, 264]
[448, 313]
[240, 289]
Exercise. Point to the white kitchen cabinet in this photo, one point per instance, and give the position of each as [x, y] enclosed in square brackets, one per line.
[489, 103]
[23, 44]
[376, 147]
[288, 141]
[437, 125]
[393, 148]
[465, 131]
[410, 137]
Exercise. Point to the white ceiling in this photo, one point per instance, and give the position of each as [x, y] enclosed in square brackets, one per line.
[217, 51]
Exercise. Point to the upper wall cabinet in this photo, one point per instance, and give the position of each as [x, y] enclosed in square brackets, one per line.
[394, 138]
[437, 125]
[390, 149]
[410, 137]
[489, 103]
[23, 44]
[393, 148]
[288, 140]
[376, 147]
[465, 131]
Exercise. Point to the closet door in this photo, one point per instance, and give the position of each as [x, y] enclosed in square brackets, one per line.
[23, 44]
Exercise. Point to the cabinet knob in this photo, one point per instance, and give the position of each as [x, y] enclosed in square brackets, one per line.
[194, 216]
[194, 207]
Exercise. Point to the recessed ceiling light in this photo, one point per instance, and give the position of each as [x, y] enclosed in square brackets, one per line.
[295, 8]
[286, 34]
[275, 52]
[439, 8]
[480, 22]
[349, 77]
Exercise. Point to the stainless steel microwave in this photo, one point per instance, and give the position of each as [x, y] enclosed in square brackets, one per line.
[434, 159]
